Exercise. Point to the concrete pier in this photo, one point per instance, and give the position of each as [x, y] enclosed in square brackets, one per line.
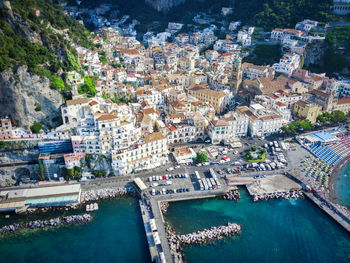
[323, 205]
[146, 217]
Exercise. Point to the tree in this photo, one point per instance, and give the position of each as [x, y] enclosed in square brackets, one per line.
[36, 127]
[254, 148]
[202, 157]
[338, 116]
[99, 173]
[74, 173]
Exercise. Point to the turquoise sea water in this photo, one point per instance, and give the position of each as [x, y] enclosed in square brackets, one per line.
[272, 231]
[116, 234]
[342, 186]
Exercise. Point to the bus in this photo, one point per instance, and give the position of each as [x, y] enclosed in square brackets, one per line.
[212, 173]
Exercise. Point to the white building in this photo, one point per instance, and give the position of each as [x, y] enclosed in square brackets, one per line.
[234, 25]
[263, 122]
[288, 63]
[180, 133]
[244, 38]
[251, 71]
[149, 152]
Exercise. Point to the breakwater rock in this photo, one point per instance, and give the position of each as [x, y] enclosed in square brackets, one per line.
[106, 193]
[66, 220]
[207, 235]
[199, 237]
[278, 195]
[164, 205]
[231, 195]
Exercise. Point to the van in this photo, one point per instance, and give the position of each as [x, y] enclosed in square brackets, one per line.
[169, 182]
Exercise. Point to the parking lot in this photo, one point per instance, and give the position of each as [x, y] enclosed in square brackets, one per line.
[181, 182]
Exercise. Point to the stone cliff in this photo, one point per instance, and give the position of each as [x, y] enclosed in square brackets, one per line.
[27, 98]
[163, 5]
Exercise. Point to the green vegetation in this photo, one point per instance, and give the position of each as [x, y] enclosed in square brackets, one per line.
[41, 170]
[256, 154]
[202, 157]
[88, 158]
[116, 65]
[332, 61]
[103, 60]
[73, 59]
[57, 83]
[16, 145]
[15, 49]
[99, 173]
[339, 37]
[51, 52]
[287, 13]
[72, 174]
[298, 126]
[265, 55]
[8, 182]
[88, 88]
[335, 116]
[36, 127]
[37, 108]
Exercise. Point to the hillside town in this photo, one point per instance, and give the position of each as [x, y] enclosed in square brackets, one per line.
[215, 111]
[149, 97]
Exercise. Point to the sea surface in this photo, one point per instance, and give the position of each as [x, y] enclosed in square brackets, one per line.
[116, 234]
[342, 186]
[272, 231]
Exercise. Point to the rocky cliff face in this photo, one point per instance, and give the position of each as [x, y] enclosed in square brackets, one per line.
[23, 94]
[163, 5]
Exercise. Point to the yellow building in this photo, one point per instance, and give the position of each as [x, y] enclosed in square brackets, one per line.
[218, 99]
[307, 110]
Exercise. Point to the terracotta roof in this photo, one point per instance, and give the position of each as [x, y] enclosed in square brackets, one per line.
[220, 123]
[106, 117]
[77, 101]
[271, 117]
[209, 92]
[153, 137]
[250, 65]
[343, 100]
[92, 103]
[171, 127]
[319, 93]
[149, 111]
[176, 115]
[251, 115]
[129, 51]
[278, 103]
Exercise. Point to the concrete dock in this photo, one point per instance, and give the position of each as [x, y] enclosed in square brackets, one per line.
[150, 208]
[272, 184]
[323, 205]
[146, 216]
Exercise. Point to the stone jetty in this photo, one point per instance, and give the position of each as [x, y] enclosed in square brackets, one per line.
[36, 224]
[278, 195]
[199, 237]
[207, 235]
[105, 193]
[231, 195]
